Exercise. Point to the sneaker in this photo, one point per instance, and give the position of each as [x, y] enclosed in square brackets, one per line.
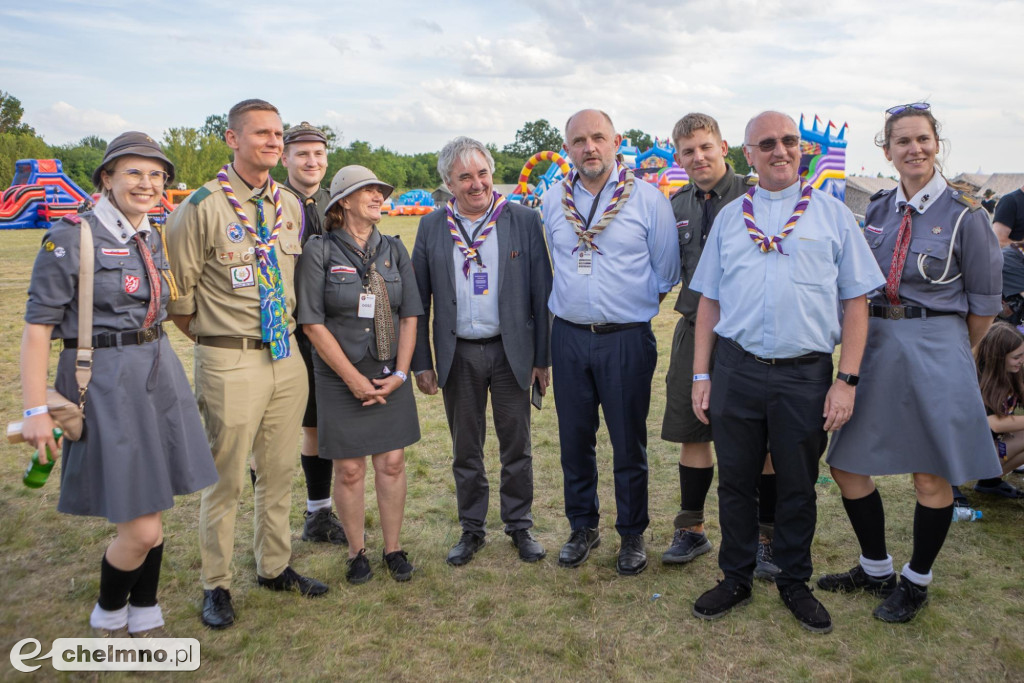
[811, 614]
[686, 545]
[291, 580]
[121, 632]
[766, 569]
[856, 580]
[358, 571]
[904, 603]
[398, 565]
[323, 526]
[717, 602]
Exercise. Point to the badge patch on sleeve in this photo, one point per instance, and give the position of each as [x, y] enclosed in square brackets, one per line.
[131, 283]
[242, 276]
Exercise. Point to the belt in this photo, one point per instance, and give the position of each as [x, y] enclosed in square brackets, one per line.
[807, 358]
[485, 340]
[109, 339]
[602, 328]
[904, 311]
[233, 343]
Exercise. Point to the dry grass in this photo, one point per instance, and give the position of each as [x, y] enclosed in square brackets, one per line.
[498, 618]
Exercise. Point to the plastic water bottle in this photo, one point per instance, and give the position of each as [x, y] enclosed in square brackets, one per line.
[37, 473]
[966, 514]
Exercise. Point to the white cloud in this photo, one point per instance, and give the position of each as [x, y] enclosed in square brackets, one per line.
[62, 122]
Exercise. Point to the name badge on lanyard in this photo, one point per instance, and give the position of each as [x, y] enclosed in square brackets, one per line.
[480, 283]
[585, 261]
[367, 303]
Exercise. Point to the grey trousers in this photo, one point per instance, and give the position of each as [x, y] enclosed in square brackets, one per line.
[477, 368]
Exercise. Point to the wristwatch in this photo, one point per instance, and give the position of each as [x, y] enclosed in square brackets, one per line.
[848, 378]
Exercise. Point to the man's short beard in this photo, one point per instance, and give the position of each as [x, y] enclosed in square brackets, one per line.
[594, 175]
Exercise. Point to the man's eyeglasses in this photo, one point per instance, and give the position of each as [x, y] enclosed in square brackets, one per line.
[769, 144]
[135, 176]
[900, 108]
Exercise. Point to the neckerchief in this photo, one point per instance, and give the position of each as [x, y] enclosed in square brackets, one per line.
[383, 323]
[899, 258]
[273, 311]
[469, 253]
[585, 235]
[154, 280]
[764, 242]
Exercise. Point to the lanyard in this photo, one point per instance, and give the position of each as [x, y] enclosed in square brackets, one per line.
[593, 207]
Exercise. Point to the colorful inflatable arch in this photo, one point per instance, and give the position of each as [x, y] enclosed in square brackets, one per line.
[823, 157]
[559, 168]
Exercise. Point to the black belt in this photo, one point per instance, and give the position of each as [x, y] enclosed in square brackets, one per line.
[602, 328]
[233, 343]
[485, 340]
[109, 339]
[904, 311]
[807, 358]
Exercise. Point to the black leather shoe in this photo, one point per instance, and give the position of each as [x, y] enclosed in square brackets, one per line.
[856, 580]
[290, 580]
[632, 556]
[529, 549]
[217, 609]
[716, 603]
[811, 614]
[577, 549]
[463, 551]
[903, 605]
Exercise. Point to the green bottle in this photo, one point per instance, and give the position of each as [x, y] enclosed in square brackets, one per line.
[36, 473]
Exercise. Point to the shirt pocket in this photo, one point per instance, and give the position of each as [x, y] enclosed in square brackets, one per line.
[341, 294]
[393, 283]
[874, 239]
[288, 243]
[812, 264]
[930, 255]
[119, 282]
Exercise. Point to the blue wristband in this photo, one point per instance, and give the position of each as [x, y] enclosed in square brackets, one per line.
[38, 410]
[401, 375]
[702, 377]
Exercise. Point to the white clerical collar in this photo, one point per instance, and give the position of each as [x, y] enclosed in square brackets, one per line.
[925, 197]
[790, 191]
[113, 220]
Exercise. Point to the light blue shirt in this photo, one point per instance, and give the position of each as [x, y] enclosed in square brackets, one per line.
[783, 306]
[477, 314]
[639, 256]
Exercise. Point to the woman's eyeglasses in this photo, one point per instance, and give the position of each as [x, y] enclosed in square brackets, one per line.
[135, 176]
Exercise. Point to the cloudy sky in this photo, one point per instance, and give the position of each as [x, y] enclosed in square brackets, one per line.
[411, 75]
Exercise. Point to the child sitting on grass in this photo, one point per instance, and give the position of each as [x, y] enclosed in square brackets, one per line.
[1000, 357]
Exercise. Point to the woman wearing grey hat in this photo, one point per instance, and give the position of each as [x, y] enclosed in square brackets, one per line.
[143, 441]
[358, 304]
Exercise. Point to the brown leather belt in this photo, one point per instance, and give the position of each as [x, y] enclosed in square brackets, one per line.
[233, 343]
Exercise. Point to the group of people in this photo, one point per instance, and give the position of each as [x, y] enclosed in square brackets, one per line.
[774, 275]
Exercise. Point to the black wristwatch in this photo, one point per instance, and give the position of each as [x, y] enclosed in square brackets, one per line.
[848, 378]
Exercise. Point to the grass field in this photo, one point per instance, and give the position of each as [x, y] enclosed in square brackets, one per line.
[498, 618]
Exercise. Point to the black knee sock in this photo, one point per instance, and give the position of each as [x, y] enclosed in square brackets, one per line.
[867, 516]
[930, 528]
[318, 476]
[694, 484]
[115, 585]
[766, 499]
[143, 593]
[252, 476]
[994, 481]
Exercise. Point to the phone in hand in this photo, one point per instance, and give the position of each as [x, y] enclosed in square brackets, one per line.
[535, 396]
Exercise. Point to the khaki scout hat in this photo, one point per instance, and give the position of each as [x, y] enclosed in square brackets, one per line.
[304, 133]
[351, 178]
[133, 143]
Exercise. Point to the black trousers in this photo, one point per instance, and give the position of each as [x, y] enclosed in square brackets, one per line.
[753, 403]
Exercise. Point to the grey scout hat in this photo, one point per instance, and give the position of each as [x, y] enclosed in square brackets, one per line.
[304, 132]
[351, 178]
[133, 143]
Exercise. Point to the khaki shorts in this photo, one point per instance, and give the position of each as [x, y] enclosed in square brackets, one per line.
[680, 425]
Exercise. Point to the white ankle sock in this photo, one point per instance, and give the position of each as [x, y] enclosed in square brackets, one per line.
[922, 580]
[878, 569]
[144, 618]
[317, 505]
[101, 618]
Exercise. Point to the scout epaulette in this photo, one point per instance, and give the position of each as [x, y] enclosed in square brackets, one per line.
[967, 200]
[72, 218]
[198, 196]
[879, 195]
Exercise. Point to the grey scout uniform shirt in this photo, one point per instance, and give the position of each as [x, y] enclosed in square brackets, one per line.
[688, 207]
[314, 224]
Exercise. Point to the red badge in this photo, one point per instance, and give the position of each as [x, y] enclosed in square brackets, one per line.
[131, 283]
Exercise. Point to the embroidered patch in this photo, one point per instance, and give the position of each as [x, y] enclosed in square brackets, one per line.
[131, 283]
[874, 229]
[936, 230]
[49, 245]
[59, 252]
[682, 224]
[114, 252]
[242, 276]
[236, 233]
[343, 269]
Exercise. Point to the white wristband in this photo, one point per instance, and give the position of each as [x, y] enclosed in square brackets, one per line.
[401, 375]
[38, 410]
[702, 377]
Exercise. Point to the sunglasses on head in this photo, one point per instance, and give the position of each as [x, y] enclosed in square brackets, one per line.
[769, 144]
[900, 108]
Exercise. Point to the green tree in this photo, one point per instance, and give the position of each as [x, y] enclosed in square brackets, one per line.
[15, 146]
[81, 159]
[11, 112]
[533, 137]
[640, 139]
[738, 161]
[196, 157]
[215, 126]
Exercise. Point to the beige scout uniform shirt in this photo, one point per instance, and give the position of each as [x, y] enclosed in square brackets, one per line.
[214, 262]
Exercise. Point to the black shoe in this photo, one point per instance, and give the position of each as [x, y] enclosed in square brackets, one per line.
[291, 580]
[463, 551]
[1003, 488]
[686, 545]
[530, 550]
[398, 565]
[323, 526]
[959, 499]
[217, 609]
[766, 569]
[358, 571]
[904, 603]
[856, 580]
[811, 614]
[717, 602]
[632, 556]
[577, 549]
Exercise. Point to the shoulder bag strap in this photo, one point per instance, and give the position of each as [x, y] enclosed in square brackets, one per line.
[86, 270]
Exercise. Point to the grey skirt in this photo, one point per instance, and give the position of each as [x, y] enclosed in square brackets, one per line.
[347, 429]
[143, 441]
[918, 407]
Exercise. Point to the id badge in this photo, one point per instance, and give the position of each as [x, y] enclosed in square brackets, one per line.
[367, 302]
[480, 283]
[585, 262]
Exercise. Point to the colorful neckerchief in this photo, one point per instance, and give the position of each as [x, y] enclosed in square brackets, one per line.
[764, 242]
[154, 280]
[899, 258]
[469, 253]
[273, 311]
[585, 235]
